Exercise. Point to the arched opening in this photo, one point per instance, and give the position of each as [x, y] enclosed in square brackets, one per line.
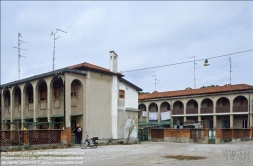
[42, 95]
[57, 104]
[7, 103]
[16, 115]
[178, 108]
[142, 112]
[223, 105]
[240, 104]
[28, 109]
[206, 106]
[192, 107]
[76, 103]
[153, 112]
[165, 114]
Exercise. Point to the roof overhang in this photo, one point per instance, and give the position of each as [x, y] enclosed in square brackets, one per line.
[36, 77]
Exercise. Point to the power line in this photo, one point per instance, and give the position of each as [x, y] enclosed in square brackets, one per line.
[187, 61]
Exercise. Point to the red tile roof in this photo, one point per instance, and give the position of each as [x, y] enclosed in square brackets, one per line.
[90, 66]
[216, 89]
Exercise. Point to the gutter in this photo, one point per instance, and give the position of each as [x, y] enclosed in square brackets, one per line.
[43, 76]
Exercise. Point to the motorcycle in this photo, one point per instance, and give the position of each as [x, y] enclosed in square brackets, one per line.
[92, 144]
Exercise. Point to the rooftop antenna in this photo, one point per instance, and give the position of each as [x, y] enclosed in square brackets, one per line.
[54, 43]
[194, 68]
[155, 81]
[19, 55]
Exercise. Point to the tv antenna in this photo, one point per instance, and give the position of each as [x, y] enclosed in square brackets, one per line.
[194, 68]
[54, 43]
[155, 81]
[19, 55]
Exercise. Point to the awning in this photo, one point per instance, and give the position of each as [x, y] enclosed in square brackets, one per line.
[54, 116]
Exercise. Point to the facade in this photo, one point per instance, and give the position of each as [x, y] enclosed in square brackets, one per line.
[98, 99]
[216, 107]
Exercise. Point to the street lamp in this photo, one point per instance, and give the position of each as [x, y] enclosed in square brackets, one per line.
[206, 63]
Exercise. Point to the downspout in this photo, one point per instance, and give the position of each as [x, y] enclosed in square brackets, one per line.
[249, 111]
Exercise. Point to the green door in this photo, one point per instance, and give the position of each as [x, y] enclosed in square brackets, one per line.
[145, 134]
[211, 135]
[140, 135]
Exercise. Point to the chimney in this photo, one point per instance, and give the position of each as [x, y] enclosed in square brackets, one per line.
[113, 62]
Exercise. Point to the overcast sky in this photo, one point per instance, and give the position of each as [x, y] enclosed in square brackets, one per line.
[143, 34]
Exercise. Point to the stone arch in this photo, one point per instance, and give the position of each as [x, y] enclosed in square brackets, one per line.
[28, 97]
[153, 107]
[206, 106]
[178, 107]
[222, 101]
[240, 104]
[165, 106]
[192, 107]
[142, 115]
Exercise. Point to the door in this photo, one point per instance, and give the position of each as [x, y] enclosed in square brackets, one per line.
[145, 135]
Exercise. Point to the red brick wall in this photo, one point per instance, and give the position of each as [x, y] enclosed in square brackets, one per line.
[226, 133]
[218, 133]
[177, 133]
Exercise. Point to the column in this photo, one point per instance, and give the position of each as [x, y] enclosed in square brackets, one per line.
[215, 122]
[12, 95]
[147, 114]
[49, 101]
[2, 106]
[22, 105]
[159, 113]
[35, 104]
[231, 121]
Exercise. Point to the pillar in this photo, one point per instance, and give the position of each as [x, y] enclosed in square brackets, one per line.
[231, 121]
[159, 113]
[11, 108]
[147, 114]
[49, 101]
[35, 103]
[215, 122]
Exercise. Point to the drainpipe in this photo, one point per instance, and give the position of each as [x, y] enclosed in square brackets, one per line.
[249, 112]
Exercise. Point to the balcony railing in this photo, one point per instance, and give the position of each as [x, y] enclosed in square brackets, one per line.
[191, 110]
[240, 108]
[177, 111]
[206, 110]
[222, 109]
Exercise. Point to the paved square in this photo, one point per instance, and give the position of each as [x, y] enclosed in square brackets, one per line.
[146, 153]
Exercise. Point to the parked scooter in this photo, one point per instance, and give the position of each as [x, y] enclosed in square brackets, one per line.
[92, 144]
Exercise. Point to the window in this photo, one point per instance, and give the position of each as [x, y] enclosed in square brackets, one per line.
[226, 124]
[73, 89]
[244, 124]
[43, 95]
[57, 92]
[30, 97]
[121, 94]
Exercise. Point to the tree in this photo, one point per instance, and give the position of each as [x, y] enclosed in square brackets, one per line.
[130, 125]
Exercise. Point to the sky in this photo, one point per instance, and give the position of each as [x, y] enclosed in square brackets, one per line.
[144, 34]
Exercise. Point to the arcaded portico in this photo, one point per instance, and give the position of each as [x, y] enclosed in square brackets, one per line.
[228, 106]
[98, 99]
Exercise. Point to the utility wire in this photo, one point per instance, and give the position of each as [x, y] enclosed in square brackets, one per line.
[187, 61]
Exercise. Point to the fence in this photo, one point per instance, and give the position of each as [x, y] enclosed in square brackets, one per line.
[18, 134]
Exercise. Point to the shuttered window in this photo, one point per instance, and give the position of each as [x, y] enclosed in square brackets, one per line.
[30, 97]
[74, 89]
[57, 92]
[43, 95]
[121, 94]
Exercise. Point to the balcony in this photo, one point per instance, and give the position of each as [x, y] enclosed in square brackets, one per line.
[191, 110]
[177, 111]
[223, 109]
[206, 110]
[240, 108]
